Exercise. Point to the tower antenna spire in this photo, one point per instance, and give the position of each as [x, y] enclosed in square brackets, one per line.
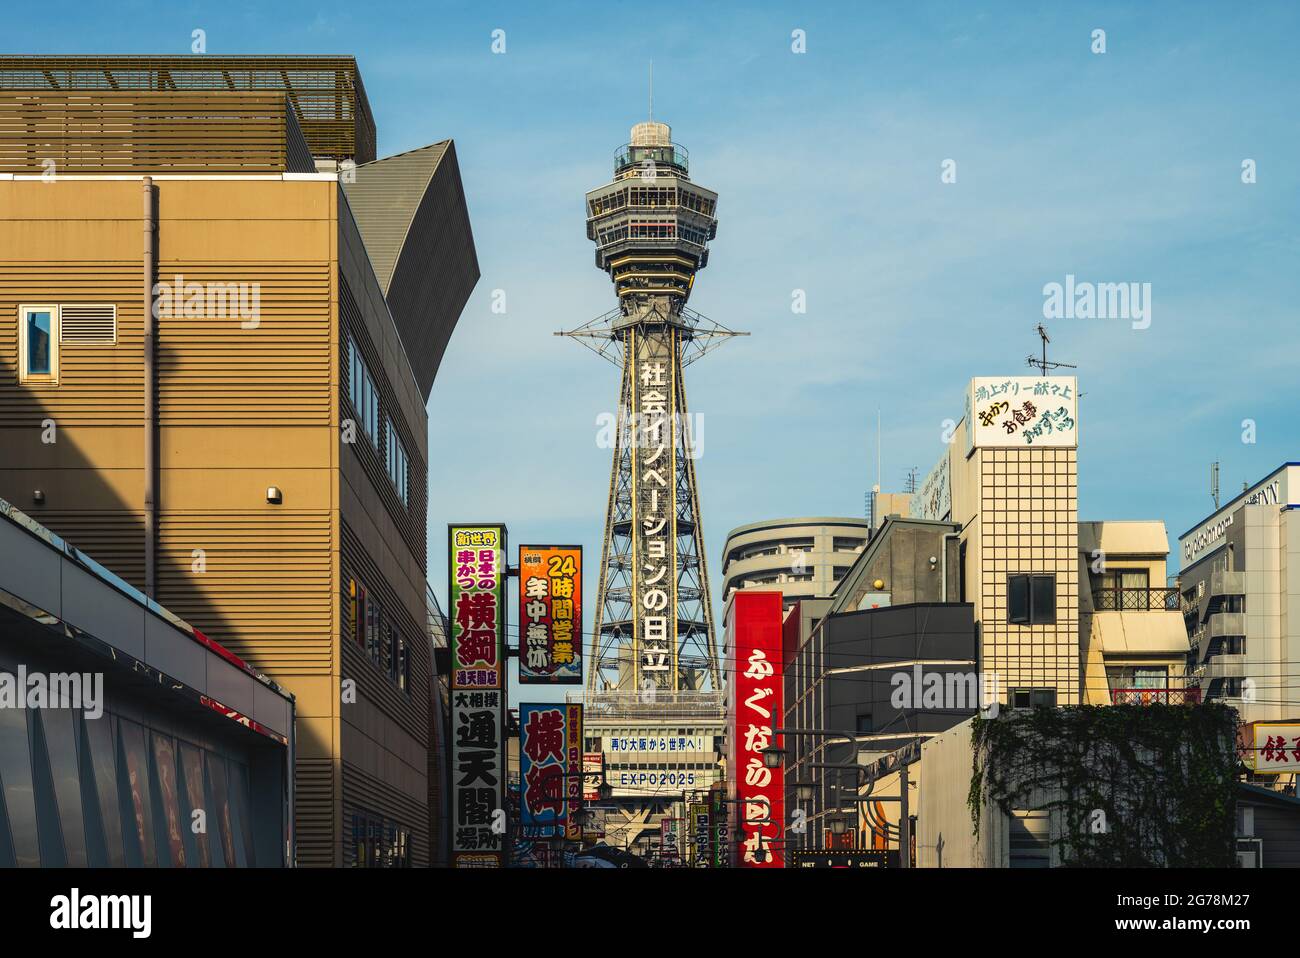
[652, 91]
[654, 630]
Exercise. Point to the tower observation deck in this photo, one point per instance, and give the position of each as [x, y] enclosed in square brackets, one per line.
[654, 616]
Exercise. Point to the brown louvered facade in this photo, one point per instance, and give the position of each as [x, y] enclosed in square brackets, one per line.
[244, 403]
[326, 93]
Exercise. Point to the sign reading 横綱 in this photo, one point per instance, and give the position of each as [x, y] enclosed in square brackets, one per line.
[550, 614]
[476, 599]
[1022, 411]
[754, 662]
[550, 770]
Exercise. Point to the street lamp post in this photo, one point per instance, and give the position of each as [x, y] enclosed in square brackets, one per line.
[773, 757]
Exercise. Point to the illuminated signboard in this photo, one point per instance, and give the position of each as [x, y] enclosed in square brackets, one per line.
[550, 614]
[477, 618]
[550, 748]
[1022, 411]
[754, 662]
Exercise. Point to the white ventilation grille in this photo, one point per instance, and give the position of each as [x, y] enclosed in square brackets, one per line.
[88, 325]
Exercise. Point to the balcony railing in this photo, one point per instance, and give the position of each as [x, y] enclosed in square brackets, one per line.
[1136, 600]
[1186, 696]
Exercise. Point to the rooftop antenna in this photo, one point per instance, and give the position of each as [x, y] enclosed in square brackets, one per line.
[911, 479]
[1043, 364]
[652, 91]
[1214, 483]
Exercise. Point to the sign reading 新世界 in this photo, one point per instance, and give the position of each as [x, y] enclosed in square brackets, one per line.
[1022, 411]
[550, 770]
[550, 614]
[477, 624]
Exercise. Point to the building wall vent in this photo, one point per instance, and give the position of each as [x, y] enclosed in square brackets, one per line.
[88, 325]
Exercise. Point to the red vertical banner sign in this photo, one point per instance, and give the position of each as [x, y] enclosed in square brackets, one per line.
[756, 701]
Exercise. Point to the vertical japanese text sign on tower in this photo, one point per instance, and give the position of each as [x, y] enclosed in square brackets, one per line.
[754, 662]
[550, 614]
[476, 570]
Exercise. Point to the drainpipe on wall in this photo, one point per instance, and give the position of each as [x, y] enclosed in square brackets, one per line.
[150, 398]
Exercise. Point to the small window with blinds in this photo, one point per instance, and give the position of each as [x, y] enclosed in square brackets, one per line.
[88, 324]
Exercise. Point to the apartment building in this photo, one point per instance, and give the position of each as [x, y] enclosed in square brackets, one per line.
[802, 558]
[216, 348]
[1133, 646]
[1240, 582]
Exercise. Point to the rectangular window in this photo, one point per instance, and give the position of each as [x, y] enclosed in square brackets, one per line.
[374, 629]
[1033, 698]
[1031, 599]
[362, 393]
[38, 344]
[398, 465]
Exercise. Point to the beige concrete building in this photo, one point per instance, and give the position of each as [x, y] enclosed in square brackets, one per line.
[802, 558]
[1132, 643]
[213, 380]
[1009, 477]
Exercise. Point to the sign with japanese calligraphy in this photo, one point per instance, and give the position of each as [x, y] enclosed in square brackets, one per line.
[700, 835]
[1276, 748]
[668, 837]
[934, 499]
[550, 614]
[477, 780]
[550, 747]
[593, 774]
[476, 593]
[754, 662]
[1022, 411]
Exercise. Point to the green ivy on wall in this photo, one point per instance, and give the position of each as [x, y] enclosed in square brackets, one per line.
[1127, 785]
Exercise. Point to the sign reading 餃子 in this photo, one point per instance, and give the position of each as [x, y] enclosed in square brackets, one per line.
[1022, 411]
[754, 662]
[1274, 748]
[476, 600]
[550, 770]
[550, 614]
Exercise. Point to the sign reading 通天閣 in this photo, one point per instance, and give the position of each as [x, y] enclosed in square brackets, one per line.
[550, 770]
[477, 622]
[1016, 411]
[550, 614]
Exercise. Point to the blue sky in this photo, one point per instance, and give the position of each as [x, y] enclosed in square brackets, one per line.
[1118, 167]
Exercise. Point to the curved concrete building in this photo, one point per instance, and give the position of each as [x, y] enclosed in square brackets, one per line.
[803, 558]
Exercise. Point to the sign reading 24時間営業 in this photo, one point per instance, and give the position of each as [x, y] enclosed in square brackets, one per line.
[550, 614]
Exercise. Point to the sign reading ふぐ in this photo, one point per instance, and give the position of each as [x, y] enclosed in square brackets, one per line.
[1022, 411]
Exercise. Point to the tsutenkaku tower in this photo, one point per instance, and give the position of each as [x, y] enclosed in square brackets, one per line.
[654, 614]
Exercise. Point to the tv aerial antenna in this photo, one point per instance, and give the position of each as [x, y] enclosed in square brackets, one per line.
[1043, 364]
